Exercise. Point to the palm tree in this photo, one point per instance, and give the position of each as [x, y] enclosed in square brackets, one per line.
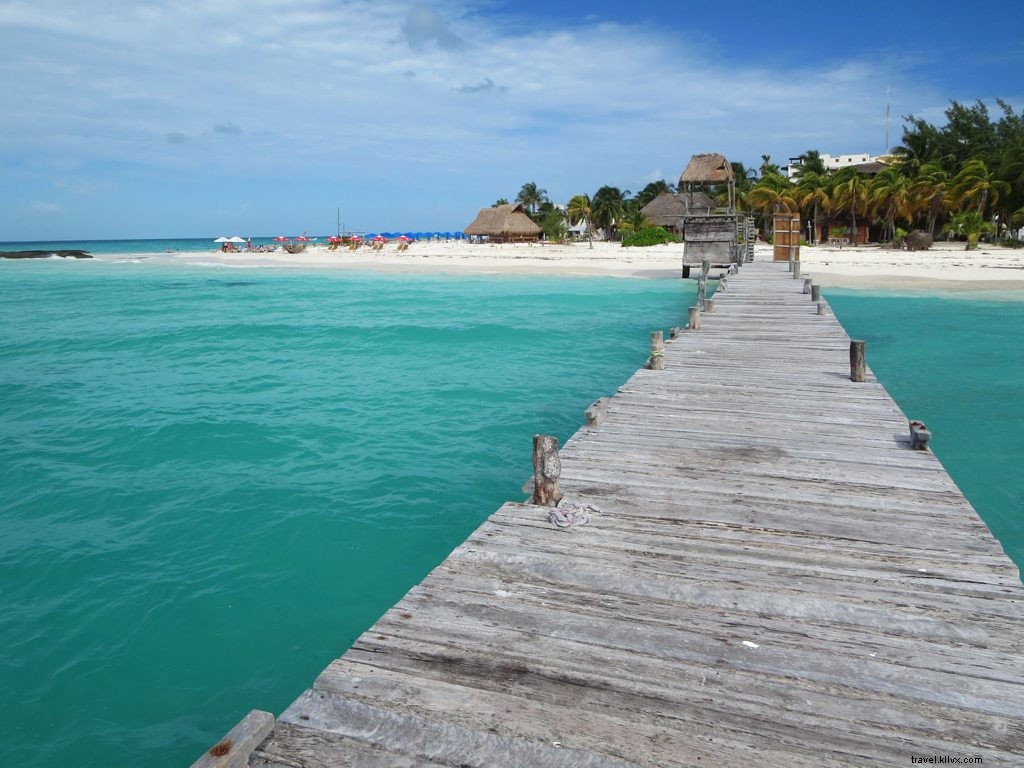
[975, 183]
[971, 225]
[531, 196]
[813, 190]
[634, 219]
[773, 194]
[889, 197]
[811, 162]
[768, 168]
[500, 201]
[607, 207]
[651, 191]
[929, 193]
[849, 190]
[578, 210]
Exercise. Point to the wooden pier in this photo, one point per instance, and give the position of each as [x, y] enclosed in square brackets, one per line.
[774, 578]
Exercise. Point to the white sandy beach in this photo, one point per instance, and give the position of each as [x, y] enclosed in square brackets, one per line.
[946, 266]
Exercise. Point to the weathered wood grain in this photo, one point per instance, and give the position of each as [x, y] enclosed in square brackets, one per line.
[774, 578]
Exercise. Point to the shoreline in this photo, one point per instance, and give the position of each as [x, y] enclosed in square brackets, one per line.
[945, 267]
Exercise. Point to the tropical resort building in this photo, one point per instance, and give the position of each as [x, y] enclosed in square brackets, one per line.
[507, 223]
[863, 161]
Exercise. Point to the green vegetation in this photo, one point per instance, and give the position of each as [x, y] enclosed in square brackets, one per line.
[649, 236]
[974, 163]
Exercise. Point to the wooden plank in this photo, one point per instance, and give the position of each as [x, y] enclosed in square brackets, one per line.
[772, 577]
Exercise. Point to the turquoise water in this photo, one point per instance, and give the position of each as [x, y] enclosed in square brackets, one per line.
[213, 480]
[957, 364]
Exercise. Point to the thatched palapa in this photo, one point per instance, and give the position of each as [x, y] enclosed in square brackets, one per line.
[504, 224]
[710, 168]
[668, 209]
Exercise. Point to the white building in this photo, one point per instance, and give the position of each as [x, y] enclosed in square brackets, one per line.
[831, 163]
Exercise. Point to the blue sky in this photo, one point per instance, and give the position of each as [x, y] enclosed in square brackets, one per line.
[262, 117]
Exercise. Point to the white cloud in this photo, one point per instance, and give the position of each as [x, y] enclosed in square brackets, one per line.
[430, 97]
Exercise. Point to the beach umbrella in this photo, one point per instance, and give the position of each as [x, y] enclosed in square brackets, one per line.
[371, 235]
[355, 238]
[404, 238]
[222, 239]
[333, 239]
[380, 239]
[236, 239]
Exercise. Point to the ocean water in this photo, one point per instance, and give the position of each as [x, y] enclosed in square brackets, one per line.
[956, 362]
[214, 479]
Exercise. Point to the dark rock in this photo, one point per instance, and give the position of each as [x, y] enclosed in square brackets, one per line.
[918, 240]
[44, 254]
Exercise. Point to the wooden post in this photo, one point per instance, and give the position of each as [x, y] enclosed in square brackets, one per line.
[547, 468]
[656, 362]
[919, 436]
[857, 364]
[807, 284]
[796, 270]
[702, 283]
[686, 271]
[596, 412]
[789, 266]
[723, 283]
[694, 318]
[709, 306]
[821, 308]
[815, 292]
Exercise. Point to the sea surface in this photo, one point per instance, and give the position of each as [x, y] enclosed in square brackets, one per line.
[213, 479]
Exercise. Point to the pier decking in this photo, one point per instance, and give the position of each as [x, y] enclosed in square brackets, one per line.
[774, 579]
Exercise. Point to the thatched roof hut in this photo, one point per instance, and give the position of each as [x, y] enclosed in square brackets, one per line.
[711, 168]
[504, 224]
[668, 209]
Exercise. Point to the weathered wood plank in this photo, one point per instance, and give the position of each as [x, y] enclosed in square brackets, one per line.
[773, 577]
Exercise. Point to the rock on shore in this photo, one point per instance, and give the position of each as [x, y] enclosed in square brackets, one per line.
[44, 254]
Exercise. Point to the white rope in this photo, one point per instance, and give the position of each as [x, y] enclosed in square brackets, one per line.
[571, 515]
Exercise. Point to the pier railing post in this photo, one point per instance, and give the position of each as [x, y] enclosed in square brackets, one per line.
[709, 306]
[702, 283]
[807, 284]
[694, 319]
[547, 468]
[821, 308]
[796, 270]
[815, 292]
[857, 364]
[656, 362]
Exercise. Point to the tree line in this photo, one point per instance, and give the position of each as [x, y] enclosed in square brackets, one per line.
[964, 178]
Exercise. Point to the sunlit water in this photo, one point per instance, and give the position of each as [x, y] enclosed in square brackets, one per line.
[213, 479]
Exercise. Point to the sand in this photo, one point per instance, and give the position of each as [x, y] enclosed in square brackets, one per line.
[946, 266]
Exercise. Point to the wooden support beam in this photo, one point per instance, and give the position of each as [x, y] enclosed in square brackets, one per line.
[815, 292]
[796, 270]
[821, 308]
[547, 468]
[709, 306]
[857, 362]
[808, 282]
[656, 362]
[694, 318]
